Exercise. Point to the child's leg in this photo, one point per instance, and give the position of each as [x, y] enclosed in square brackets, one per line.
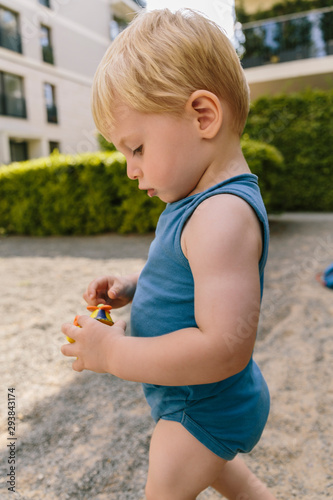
[180, 467]
[237, 482]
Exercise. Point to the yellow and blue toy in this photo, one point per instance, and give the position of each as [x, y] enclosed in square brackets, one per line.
[100, 312]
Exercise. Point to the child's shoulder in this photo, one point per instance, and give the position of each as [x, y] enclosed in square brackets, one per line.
[223, 221]
[224, 211]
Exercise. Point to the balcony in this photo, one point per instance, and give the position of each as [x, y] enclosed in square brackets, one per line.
[52, 114]
[286, 38]
[12, 106]
[126, 9]
[11, 41]
[47, 51]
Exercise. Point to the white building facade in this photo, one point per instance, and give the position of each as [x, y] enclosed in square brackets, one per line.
[49, 52]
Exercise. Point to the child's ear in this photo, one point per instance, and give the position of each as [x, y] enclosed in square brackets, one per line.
[206, 109]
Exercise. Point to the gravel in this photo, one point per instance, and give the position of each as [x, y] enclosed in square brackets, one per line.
[86, 436]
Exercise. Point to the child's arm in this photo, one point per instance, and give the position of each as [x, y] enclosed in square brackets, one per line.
[222, 242]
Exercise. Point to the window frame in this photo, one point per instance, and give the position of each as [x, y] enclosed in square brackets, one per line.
[24, 144]
[46, 4]
[4, 98]
[54, 145]
[3, 36]
[47, 50]
[51, 110]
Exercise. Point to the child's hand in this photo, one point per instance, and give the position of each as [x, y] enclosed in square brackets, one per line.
[93, 344]
[114, 290]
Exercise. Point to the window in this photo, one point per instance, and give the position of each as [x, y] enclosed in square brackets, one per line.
[54, 145]
[141, 3]
[46, 3]
[10, 37]
[18, 150]
[50, 101]
[45, 41]
[117, 25]
[12, 101]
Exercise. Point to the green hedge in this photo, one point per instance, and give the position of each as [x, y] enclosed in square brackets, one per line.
[90, 193]
[267, 163]
[300, 126]
[83, 194]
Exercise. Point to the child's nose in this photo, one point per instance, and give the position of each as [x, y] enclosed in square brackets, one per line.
[133, 171]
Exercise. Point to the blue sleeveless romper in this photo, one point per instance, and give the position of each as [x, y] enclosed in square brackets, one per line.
[229, 416]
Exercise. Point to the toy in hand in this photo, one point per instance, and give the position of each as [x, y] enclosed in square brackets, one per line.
[100, 312]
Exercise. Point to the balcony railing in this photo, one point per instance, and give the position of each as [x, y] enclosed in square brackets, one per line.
[287, 38]
[48, 54]
[142, 3]
[11, 41]
[52, 114]
[12, 106]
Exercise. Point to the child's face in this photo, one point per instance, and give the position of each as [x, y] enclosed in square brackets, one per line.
[163, 152]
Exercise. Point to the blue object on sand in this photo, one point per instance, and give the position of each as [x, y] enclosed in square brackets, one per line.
[326, 278]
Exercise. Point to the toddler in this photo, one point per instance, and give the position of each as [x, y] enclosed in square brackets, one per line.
[171, 95]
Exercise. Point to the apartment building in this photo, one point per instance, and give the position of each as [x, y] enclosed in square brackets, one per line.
[286, 52]
[49, 51]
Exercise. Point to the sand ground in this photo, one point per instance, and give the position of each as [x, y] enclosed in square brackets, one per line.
[86, 436]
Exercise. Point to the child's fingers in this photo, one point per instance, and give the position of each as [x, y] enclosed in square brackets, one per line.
[77, 365]
[83, 319]
[96, 290]
[67, 350]
[119, 289]
[70, 330]
[113, 292]
[91, 291]
[92, 299]
[116, 290]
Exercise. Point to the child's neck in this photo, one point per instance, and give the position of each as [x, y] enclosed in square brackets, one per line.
[227, 161]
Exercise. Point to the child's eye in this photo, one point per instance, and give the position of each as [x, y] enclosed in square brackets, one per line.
[138, 150]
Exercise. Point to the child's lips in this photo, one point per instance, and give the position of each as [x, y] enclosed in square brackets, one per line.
[150, 191]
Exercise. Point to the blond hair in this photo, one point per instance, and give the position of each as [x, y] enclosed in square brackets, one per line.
[160, 59]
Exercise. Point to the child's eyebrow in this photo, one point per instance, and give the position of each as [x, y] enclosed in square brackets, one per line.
[121, 144]
[124, 141]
